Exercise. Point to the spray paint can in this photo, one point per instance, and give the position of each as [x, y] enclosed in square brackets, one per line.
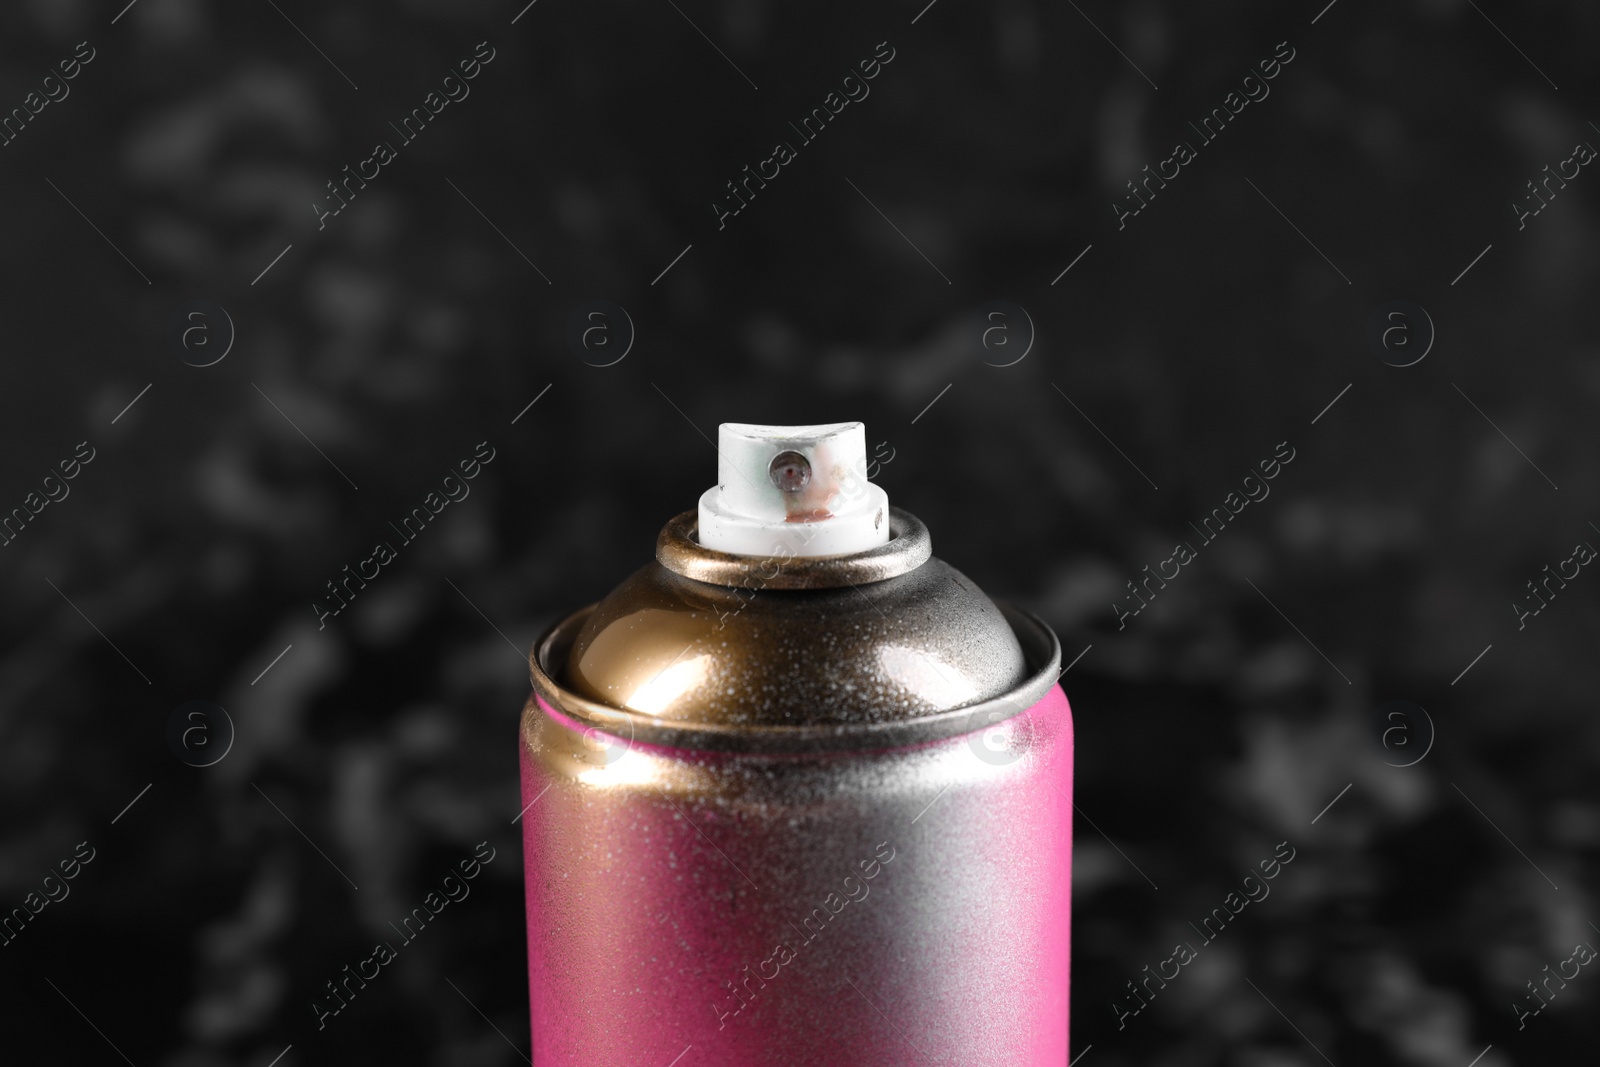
[797, 792]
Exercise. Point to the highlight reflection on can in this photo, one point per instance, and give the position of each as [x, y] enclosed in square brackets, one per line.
[797, 792]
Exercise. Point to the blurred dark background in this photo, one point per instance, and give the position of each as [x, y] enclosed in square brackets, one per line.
[1174, 355]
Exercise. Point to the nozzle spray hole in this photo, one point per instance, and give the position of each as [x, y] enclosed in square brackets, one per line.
[789, 471]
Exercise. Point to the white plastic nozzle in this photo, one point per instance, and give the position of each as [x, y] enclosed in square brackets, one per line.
[793, 490]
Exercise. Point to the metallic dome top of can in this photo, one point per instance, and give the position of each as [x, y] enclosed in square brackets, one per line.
[760, 638]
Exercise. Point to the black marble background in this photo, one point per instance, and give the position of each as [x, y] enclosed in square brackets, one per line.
[1174, 355]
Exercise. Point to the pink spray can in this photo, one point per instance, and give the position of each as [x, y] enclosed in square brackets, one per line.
[797, 792]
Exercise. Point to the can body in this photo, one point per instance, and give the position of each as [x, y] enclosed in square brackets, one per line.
[895, 905]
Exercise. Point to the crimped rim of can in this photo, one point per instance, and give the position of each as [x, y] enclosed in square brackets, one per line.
[1040, 648]
[679, 550]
